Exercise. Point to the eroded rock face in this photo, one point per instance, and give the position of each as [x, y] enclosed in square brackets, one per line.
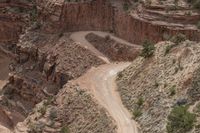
[101, 15]
[136, 30]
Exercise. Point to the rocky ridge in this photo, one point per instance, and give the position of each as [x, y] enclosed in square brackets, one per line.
[160, 82]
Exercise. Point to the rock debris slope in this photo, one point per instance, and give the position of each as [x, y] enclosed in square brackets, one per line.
[167, 79]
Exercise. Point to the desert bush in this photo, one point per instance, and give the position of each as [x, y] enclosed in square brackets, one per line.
[140, 101]
[177, 39]
[180, 120]
[148, 49]
[137, 113]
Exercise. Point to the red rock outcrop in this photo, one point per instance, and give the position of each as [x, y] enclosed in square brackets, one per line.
[101, 15]
[137, 30]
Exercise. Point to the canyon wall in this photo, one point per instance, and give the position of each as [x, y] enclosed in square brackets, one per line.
[101, 15]
[96, 15]
[10, 28]
[137, 30]
[87, 16]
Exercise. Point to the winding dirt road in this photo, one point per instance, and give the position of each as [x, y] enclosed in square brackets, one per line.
[100, 82]
[79, 37]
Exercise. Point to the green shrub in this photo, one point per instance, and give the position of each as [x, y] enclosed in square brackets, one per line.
[180, 120]
[177, 39]
[140, 101]
[148, 49]
[137, 113]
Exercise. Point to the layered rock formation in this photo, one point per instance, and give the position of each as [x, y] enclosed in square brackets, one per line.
[101, 15]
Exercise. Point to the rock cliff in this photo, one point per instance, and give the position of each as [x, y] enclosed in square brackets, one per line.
[102, 15]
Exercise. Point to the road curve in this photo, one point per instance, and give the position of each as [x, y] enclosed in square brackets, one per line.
[100, 82]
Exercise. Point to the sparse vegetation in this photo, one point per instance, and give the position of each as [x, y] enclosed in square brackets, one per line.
[137, 113]
[177, 39]
[180, 120]
[140, 101]
[148, 49]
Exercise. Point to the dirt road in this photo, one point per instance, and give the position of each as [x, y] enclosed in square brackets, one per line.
[101, 83]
